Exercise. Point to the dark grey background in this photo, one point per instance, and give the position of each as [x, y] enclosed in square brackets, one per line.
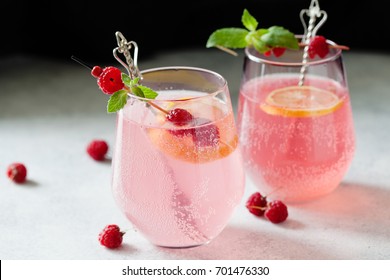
[86, 28]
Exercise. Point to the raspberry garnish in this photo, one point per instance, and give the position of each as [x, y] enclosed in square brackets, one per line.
[277, 51]
[109, 80]
[206, 134]
[276, 212]
[179, 116]
[17, 172]
[203, 136]
[182, 132]
[268, 53]
[257, 204]
[318, 46]
[97, 149]
[96, 71]
[111, 236]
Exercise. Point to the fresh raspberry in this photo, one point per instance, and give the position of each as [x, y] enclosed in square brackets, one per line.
[204, 133]
[277, 51]
[207, 134]
[110, 80]
[276, 212]
[182, 132]
[111, 236]
[97, 149]
[96, 71]
[257, 204]
[318, 46]
[179, 116]
[17, 172]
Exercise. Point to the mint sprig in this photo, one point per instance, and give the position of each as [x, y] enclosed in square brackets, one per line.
[261, 39]
[119, 99]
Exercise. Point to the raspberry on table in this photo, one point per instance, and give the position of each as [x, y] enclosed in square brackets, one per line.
[17, 172]
[276, 212]
[256, 204]
[318, 46]
[97, 149]
[111, 236]
[109, 79]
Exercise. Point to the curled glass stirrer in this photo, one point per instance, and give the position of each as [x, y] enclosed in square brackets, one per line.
[310, 31]
[124, 48]
[130, 65]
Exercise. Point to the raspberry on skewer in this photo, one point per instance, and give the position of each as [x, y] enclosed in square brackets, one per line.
[318, 46]
[109, 79]
[179, 116]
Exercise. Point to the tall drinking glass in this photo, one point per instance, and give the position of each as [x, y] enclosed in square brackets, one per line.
[178, 181]
[296, 130]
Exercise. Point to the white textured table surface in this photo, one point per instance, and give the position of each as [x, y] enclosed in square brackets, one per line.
[50, 110]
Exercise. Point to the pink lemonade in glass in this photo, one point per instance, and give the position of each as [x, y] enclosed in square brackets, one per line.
[178, 185]
[297, 141]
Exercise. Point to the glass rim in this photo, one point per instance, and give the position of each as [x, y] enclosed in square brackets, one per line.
[219, 88]
[331, 57]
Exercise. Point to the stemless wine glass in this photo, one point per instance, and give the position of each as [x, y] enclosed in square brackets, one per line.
[178, 179]
[296, 130]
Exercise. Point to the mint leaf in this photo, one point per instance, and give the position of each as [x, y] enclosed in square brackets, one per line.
[228, 37]
[117, 101]
[260, 46]
[148, 92]
[254, 39]
[278, 36]
[261, 39]
[134, 82]
[137, 91]
[249, 21]
[126, 79]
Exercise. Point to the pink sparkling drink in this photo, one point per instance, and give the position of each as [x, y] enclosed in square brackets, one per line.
[295, 153]
[178, 185]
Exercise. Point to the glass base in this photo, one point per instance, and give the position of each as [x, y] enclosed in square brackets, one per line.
[182, 247]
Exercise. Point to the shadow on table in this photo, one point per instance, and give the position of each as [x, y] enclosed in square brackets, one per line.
[358, 208]
[242, 244]
[353, 208]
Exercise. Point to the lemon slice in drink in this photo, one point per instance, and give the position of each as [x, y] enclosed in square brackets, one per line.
[301, 101]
